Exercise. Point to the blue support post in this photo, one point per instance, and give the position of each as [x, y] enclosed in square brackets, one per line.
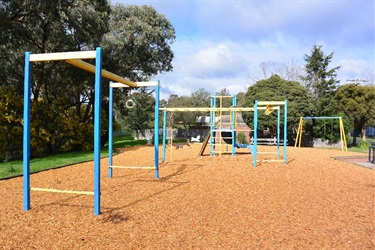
[211, 125]
[234, 129]
[26, 133]
[110, 132]
[255, 133]
[214, 133]
[278, 132]
[285, 127]
[156, 132]
[97, 118]
[164, 134]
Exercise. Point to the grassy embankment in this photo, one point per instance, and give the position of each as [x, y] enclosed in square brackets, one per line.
[15, 168]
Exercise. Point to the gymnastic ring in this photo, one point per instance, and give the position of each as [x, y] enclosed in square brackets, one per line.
[130, 104]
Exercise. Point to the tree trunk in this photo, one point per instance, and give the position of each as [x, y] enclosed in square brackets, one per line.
[354, 143]
[363, 133]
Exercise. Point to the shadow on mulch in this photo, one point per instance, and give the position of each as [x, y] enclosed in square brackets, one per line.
[357, 160]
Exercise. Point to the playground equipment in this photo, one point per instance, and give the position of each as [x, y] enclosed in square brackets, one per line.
[269, 107]
[130, 104]
[229, 134]
[220, 135]
[259, 105]
[75, 59]
[342, 131]
[371, 149]
[113, 85]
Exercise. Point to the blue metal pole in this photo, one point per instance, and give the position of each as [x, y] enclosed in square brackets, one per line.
[234, 132]
[255, 133]
[26, 132]
[211, 125]
[110, 131]
[156, 132]
[97, 118]
[164, 134]
[278, 132]
[285, 127]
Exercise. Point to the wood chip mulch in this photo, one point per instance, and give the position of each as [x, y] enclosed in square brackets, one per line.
[313, 202]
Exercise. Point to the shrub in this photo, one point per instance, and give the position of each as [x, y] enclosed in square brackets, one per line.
[363, 145]
[241, 138]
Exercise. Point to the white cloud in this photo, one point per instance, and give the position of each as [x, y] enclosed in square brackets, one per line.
[352, 69]
[217, 61]
[220, 44]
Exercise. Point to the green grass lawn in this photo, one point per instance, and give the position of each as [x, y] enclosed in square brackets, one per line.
[15, 168]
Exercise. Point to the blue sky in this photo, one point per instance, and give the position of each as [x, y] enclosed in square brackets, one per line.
[221, 44]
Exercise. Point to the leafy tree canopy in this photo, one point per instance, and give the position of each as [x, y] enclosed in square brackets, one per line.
[358, 103]
[278, 89]
[135, 41]
[138, 42]
[320, 81]
[199, 98]
[226, 100]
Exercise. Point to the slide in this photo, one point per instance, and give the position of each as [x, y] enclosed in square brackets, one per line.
[249, 146]
[227, 138]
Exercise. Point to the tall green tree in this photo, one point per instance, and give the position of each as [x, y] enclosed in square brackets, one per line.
[62, 94]
[225, 100]
[140, 114]
[199, 98]
[358, 103]
[138, 43]
[320, 80]
[59, 91]
[10, 125]
[241, 99]
[137, 46]
[278, 89]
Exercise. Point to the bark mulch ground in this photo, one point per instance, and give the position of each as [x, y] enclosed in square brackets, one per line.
[313, 202]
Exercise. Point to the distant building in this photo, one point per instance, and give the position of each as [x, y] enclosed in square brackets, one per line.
[241, 126]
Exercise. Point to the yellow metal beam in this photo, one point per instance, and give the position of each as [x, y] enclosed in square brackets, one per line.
[62, 56]
[271, 103]
[61, 191]
[139, 84]
[91, 68]
[131, 167]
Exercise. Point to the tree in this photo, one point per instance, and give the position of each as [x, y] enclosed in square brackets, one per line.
[358, 103]
[10, 125]
[60, 92]
[141, 115]
[276, 89]
[320, 80]
[289, 70]
[138, 43]
[199, 98]
[241, 99]
[225, 101]
[135, 45]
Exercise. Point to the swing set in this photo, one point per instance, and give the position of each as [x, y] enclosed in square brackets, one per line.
[341, 124]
